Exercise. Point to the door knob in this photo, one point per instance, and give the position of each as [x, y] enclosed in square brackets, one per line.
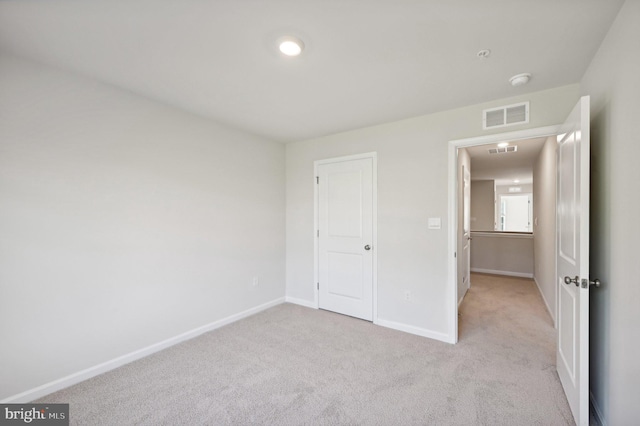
[367, 247]
[589, 283]
[569, 280]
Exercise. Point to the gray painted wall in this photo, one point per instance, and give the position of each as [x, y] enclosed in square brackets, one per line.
[612, 82]
[544, 224]
[502, 253]
[123, 223]
[483, 193]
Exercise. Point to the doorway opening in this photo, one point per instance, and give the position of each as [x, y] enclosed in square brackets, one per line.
[512, 195]
[488, 221]
[571, 282]
[514, 212]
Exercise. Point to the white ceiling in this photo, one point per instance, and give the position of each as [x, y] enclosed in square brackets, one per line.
[505, 168]
[365, 62]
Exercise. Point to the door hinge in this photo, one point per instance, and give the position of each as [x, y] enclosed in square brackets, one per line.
[317, 180]
[318, 233]
[318, 286]
[455, 254]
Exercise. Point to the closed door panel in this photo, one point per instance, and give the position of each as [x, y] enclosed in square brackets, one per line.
[345, 275]
[345, 213]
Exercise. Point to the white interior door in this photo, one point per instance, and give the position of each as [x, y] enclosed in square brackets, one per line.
[466, 229]
[515, 213]
[345, 237]
[573, 260]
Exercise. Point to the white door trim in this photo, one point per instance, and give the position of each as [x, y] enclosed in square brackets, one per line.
[452, 287]
[316, 204]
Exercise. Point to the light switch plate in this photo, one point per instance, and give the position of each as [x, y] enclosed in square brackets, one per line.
[435, 223]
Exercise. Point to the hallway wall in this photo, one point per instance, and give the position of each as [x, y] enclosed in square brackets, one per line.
[483, 196]
[544, 224]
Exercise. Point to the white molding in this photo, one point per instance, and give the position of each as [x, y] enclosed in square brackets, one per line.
[332, 160]
[112, 364]
[443, 337]
[301, 302]
[375, 236]
[452, 285]
[546, 303]
[498, 234]
[316, 203]
[316, 227]
[452, 213]
[506, 273]
[538, 132]
[597, 413]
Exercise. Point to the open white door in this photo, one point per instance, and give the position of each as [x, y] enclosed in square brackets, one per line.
[573, 260]
[345, 237]
[466, 230]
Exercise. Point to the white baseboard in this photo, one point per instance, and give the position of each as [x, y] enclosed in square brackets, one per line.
[443, 337]
[385, 323]
[301, 302]
[96, 370]
[546, 303]
[508, 273]
[597, 413]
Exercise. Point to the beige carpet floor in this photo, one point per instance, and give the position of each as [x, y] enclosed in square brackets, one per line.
[292, 365]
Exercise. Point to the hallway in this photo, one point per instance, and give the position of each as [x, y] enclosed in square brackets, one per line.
[505, 321]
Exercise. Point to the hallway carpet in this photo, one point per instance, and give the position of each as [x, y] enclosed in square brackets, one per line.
[292, 365]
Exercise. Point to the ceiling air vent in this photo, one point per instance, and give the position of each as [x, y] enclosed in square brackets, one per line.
[503, 116]
[512, 148]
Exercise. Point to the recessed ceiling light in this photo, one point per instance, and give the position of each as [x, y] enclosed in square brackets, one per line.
[520, 79]
[290, 46]
[516, 181]
[503, 144]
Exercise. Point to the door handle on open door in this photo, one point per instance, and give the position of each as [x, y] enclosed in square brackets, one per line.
[589, 283]
[569, 280]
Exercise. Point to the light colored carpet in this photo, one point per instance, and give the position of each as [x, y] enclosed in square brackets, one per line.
[292, 365]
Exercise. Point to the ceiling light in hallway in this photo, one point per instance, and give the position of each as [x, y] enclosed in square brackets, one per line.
[520, 79]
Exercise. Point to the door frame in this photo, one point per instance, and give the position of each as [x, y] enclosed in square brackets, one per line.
[452, 284]
[316, 241]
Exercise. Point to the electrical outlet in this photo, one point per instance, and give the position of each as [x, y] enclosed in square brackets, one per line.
[255, 281]
[407, 295]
